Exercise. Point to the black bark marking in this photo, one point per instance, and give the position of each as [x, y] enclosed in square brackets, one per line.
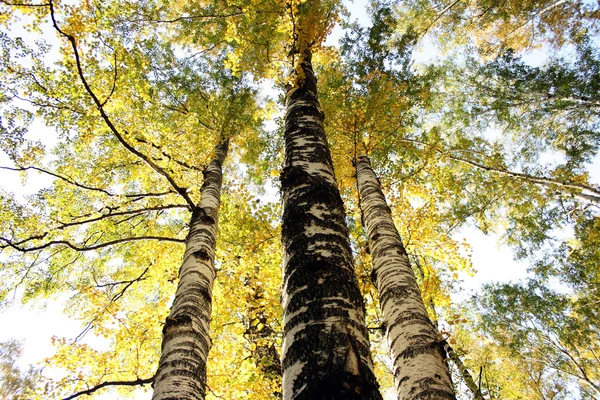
[200, 215]
[176, 321]
[201, 254]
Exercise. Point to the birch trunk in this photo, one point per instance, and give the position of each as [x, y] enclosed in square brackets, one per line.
[325, 347]
[181, 371]
[419, 368]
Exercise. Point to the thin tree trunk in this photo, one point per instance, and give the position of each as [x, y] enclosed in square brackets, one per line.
[181, 371]
[262, 336]
[325, 347]
[419, 368]
[464, 372]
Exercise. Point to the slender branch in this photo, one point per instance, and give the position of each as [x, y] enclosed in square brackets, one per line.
[167, 155]
[42, 105]
[76, 247]
[114, 83]
[128, 283]
[189, 18]
[142, 195]
[593, 198]
[182, 191]
[119, 213]
[137, 382]
[542, 11]
[464, 371]
[440, 15]
[10, 3]
[135, 196]
[540, 180]
[66, 179]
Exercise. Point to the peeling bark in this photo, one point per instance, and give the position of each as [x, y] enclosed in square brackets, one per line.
[325, 347]
[181, 371]
[419, 368]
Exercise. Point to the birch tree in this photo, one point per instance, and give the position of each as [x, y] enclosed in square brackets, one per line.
[420, 369]
[326, 347]
[186, 338]
[144, 97]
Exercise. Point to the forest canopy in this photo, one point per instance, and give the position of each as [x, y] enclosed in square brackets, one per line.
[269, 199]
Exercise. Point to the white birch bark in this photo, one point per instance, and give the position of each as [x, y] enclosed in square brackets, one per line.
[420, 371]
[181, 371]
[325, 351]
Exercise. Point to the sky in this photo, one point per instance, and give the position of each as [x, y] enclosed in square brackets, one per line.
[493, 262]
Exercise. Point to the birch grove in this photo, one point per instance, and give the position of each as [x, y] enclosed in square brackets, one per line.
[227, 199]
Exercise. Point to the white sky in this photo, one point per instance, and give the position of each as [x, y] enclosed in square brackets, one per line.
[36, 327]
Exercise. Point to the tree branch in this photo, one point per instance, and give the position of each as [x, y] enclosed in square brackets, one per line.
[119, 213]
[437, 18]
[128, 283]
[9, 3]
[167, 155]
[76, 247]
[68, 180]
[137, 382]
[593, 198]
[188, 18]
[135, 196]
[182, 191]
[464, 371]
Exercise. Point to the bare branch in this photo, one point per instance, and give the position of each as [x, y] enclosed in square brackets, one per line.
[76, 247]
[72, 182]
[137, 382]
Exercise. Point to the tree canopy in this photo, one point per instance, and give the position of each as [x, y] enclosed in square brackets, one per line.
[120, 109]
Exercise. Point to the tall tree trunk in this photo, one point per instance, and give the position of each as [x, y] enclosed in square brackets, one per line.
[181, 371]
[419, 368]
[325, 347]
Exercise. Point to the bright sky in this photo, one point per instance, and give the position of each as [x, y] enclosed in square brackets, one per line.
[36, 326]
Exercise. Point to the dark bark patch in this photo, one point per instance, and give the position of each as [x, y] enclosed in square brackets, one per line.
[176, 321]
[200, 215]
[425, 348]
[201, 254]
